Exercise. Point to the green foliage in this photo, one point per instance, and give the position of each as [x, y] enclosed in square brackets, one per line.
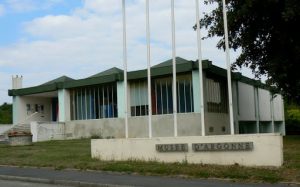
[267, 35]
[294, 115]
[6, 114]
[292, 118]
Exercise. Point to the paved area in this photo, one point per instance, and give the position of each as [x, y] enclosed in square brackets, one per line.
[94, 178]
[7, 183]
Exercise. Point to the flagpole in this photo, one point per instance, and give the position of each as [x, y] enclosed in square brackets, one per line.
[200, 69]
[148, 70]
[228, 69]
[125, 67]
[174, 68]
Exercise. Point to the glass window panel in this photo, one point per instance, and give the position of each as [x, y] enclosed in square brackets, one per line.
[97, 103]
[110, 103]
[188, 97]
[83, 104]
[216, 90]
[88, 103]
[158, 98]
[170, 97]
[115, 101]
[164, 98]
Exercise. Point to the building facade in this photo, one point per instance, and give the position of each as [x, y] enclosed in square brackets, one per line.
[96, 105]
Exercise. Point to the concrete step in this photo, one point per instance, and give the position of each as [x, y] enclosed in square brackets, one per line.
[3, 139]
[18, 128]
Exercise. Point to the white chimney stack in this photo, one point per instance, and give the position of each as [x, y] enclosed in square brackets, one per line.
[17, 82]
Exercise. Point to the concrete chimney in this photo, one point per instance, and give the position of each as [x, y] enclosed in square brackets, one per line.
[17, 82]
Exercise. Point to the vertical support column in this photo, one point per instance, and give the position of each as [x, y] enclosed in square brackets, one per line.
[16, 108]
[257, 117]
[272, 113]
[125, 67]
[121, 99]
[200, 68]
[64, 104]
[228, 69]
[174, 68]
[283, 118]
[196, 91]
[235, 105]
[149, 70]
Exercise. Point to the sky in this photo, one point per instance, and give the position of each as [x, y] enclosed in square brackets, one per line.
[45, 39]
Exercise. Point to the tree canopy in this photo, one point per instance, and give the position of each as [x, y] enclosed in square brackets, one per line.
[268, 34]
[6, 114]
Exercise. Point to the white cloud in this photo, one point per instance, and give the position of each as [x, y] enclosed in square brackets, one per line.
[102, 6]
[89, 40]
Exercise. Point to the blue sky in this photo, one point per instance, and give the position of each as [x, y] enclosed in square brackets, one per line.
[16, 12]
[44, 39]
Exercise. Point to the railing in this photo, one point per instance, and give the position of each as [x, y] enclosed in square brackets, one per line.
[21, 124]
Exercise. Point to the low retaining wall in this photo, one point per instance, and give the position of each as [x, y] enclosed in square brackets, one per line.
[42, 131]
[4, 128]
[20, 140]
[162, 126]
[247, 150]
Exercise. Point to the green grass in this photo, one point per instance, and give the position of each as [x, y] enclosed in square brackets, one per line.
[76, 154]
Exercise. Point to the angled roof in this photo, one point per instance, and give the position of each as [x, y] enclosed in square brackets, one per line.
[110, 71]
[169, 62]
[115, 74]
[166, 68]
[58, 80]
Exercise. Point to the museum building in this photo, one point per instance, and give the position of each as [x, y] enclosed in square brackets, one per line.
[95, 106]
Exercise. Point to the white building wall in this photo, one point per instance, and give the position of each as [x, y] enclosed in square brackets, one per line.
[64, 105]
[217, 123]
[16, 103]
[246, 102]
[264, 99]
[22, 114]
[278, 108]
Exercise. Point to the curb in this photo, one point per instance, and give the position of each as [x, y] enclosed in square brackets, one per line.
[290, 183]
[58, 182]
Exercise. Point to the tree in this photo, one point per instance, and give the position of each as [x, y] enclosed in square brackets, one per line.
[292, 118]
[268, 34]
[6, 114]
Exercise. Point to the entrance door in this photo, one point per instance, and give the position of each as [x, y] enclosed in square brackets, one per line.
[55, 109]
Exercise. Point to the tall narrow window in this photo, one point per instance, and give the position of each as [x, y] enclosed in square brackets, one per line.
[138, 98]
[94, 102]
[163, 95]
[216, 94]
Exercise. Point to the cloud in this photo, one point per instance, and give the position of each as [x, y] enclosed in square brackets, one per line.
[89, 40]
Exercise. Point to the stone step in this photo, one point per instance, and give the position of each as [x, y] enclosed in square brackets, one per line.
[3, 139]
[18, 128]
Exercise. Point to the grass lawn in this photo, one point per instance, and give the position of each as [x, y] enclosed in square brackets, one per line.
[76, 154]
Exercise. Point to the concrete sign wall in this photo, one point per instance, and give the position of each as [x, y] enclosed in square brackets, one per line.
[247, 150]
